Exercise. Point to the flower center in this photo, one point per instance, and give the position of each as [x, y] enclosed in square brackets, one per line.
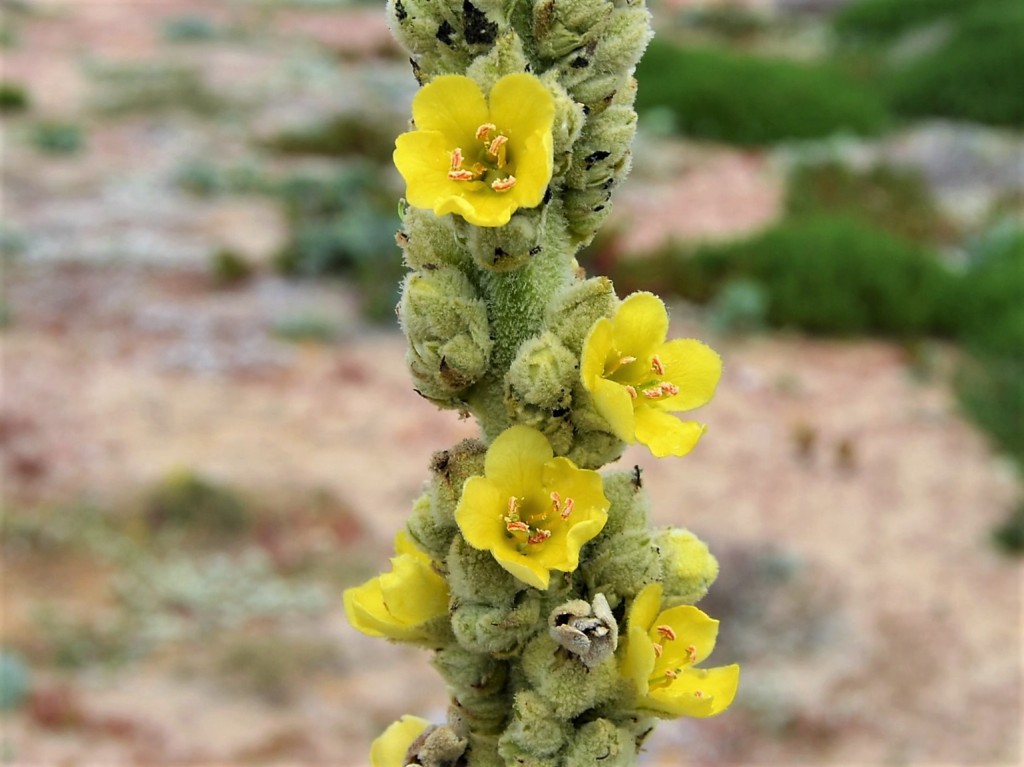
[490, 163]
[662, 676]
[651, 387]
[527, 527]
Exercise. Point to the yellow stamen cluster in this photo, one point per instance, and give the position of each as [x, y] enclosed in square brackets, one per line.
[494, 157]
[514, 522]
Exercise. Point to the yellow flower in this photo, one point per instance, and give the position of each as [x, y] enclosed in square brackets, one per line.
[532, 511]
[480, 158]
[390, 748]
[397, 604]
[661, 651]
[637, 378]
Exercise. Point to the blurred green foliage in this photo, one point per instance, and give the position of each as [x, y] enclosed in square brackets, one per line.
[827, 275]
[59, 137]
[970, 71]
[272, 667]
[750, 100]
[307, 327]
[989, 313]
[345, 225]
[895, 200]
[229, 268]
[343, 135]
[187, 501]
[151, 86]
[189, 28]
[13, 97]
[881, 22]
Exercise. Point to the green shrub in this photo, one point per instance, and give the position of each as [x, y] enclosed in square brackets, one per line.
[13, 97]
[990, 389]
[189, 28]
[975, 75]
[229, 268]
[340, 136]
[987, 310]
[750, 100]
[1009, 536]
[345, 225]
[878, 22]
[151, 86]
[307, 327]
[58, 137]
[824, 275]
[187, 501]
[895, 200]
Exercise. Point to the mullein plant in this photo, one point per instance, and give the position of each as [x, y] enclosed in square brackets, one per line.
[563, 624]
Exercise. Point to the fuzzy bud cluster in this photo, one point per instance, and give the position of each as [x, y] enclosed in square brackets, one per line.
[562, 624]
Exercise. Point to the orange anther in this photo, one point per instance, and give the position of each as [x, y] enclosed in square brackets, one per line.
[483, 130]
[656, 365]
[456, 158]
[631, 390]
[667, 632]
[503, 184]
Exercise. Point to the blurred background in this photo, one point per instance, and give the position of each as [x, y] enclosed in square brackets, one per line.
[207, 430]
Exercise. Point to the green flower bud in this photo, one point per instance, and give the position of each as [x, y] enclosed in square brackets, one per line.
[601, 742]
[504, 58]
[594, 72]
[443, 38]
[601, 159]
[475, 677]
[689, 567]
[534, 732]
[538, 389]
[498, 630]
[427, 531]
[509, 247]
[574, 310]
[630, 505]
[449, 336]
[563, 26]
[622, 565]
[594, 449]
[543, 373]
[429, 241]
[564, 682]
[475, 576]
[451, 469]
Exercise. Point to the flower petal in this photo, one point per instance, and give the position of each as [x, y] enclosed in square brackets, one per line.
[692, 366]
[478, 204]
[521, 105]
[615, 405]
[641, 325]
[696, 692]
[524, 566]
[645, 607]
[389, 749]
[480, 513]
[515, 460]
[453, 105]
[423, 158]
[596, 348]
[665, 434]
[638, 659]
[532, 171]
[413, 592]
[693, 628]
